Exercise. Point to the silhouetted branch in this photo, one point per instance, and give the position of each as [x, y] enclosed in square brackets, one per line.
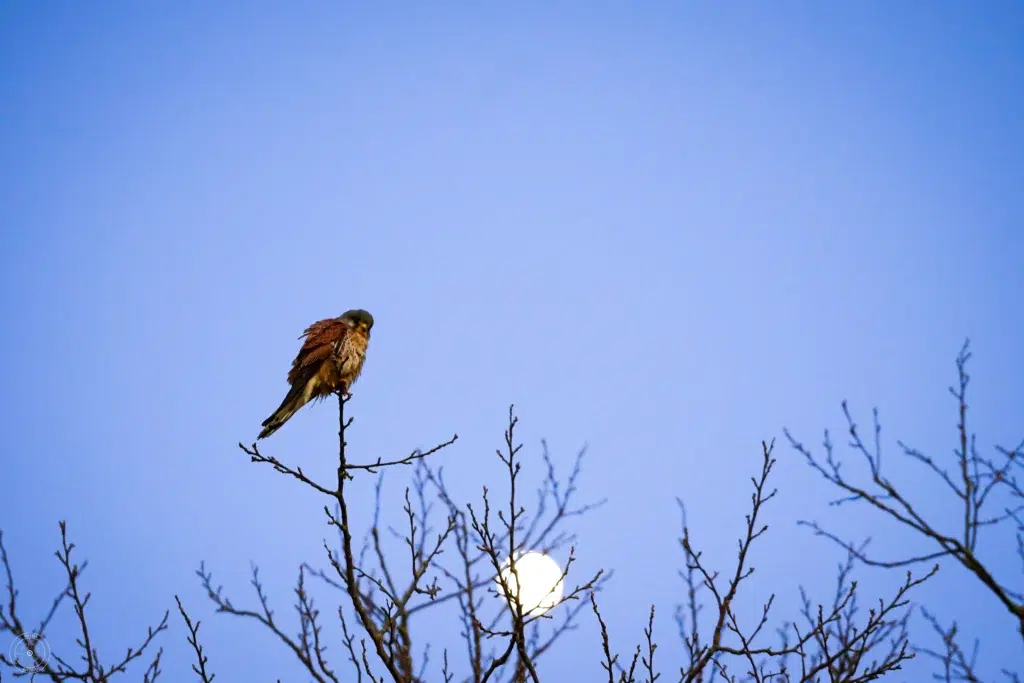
[193, 639]
[835, 643]
[407, 460]
[555, 505]
[305, 648]
[973, 480]
[502, 550]
[42, 662]
[611, 662]
[383, 601]
[956, 664]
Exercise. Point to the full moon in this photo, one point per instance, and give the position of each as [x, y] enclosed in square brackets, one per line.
[541, 579]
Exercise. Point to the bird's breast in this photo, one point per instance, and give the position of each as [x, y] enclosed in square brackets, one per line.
[351, 355]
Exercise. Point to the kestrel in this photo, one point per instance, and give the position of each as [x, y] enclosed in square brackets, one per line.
[329, 361]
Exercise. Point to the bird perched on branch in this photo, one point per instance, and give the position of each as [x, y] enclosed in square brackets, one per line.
[329, 361]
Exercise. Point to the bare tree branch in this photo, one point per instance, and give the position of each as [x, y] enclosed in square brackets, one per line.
[974, 482]
[38, 659]
[193, 639]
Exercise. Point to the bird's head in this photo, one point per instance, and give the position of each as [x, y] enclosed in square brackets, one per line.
[358, 319]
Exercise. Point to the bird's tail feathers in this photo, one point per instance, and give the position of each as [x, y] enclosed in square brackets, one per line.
[291, 403]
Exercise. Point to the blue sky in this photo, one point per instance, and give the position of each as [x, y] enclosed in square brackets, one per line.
[665, 230]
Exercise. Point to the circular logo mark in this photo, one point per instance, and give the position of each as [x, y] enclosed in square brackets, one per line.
[30, 652]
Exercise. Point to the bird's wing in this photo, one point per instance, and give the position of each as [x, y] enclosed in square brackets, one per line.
[321, 338]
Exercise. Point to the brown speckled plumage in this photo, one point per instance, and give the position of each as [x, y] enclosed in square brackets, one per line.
[329, 361]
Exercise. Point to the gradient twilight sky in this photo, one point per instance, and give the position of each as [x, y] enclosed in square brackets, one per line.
[664, 230]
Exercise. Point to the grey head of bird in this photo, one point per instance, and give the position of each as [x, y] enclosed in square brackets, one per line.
[358, 318]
